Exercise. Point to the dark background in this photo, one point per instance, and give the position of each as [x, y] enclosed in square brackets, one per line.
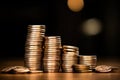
[59, 20]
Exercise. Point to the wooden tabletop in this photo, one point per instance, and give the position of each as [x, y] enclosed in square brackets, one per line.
[61, 76]
[58, 76]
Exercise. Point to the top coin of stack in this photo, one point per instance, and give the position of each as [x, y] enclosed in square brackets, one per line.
[51, 60]
[69, 57]
[33, 47]
[89, 60]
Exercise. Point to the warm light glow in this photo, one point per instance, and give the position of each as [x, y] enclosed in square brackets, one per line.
[75, 5]
[91, 27]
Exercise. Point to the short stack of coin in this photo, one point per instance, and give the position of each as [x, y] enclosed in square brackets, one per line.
[81, 68]
[52, 52]
[89, 60]
[33, 47]
[69, 58]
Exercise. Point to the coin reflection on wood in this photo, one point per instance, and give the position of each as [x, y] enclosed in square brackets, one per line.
[69, 57]
[52, 52]
[34, 47]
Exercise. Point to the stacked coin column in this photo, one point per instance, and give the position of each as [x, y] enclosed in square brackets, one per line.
[51, 60]
[69, 58]
[89, 60]
[33, 47]
[81, 68]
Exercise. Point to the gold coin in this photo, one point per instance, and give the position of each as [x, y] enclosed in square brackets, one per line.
[36, 71]
[70, 47]
[34, 26]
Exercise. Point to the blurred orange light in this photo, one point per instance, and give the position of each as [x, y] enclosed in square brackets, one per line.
[75, 5]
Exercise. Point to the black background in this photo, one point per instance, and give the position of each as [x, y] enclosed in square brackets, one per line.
[59, 20]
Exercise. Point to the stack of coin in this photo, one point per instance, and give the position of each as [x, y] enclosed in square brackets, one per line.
[69, 58]
[89, 60]
[81, 68]
[33, 47]
[52, 52]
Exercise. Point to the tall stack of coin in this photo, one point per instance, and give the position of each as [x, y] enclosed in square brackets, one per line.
[52, 50]
[69, 57]
[33, 47]
[89, 60]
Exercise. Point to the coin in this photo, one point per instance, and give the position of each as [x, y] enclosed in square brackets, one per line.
[69, 57]
[51, 63]
[34, 30]
[70, 47]
[81, 68]
[37, 26]
[36, 71]
[89, 60]
[67, 70]
[34, 47]
[51, 66]
[103, 68]
[15, 69]
[33, 53]
[83, 71]
[52, 52]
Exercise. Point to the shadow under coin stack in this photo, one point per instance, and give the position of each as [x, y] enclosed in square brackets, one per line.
[89, 60]
[52, 52]
[33, 47]
[69, 57]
